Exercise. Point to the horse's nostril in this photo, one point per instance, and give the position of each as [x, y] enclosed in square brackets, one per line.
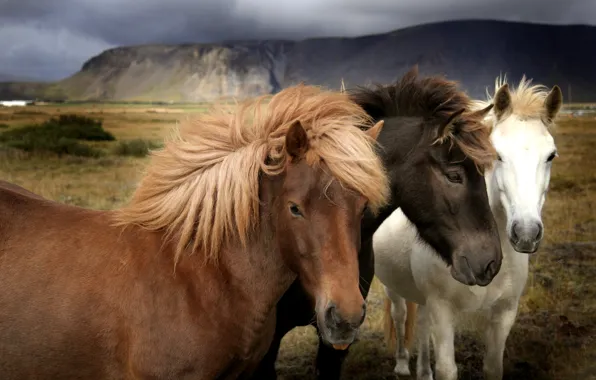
[538, 231]
[514, 234]
[490, 269]
[330, 313]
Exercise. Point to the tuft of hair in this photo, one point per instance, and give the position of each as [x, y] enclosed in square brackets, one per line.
[435, 99]
[527, 100]
[202, 188]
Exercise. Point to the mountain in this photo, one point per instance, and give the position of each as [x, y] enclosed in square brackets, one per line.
[472, 52]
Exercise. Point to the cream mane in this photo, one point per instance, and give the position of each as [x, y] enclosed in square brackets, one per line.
[203, 189]
[527, 100]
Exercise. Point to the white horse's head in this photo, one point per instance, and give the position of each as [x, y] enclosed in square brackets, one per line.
[521, 119]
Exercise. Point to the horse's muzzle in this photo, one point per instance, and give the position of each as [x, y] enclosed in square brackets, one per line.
[525, 237]
[340, 330]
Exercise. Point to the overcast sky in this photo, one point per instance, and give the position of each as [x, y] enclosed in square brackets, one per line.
[51, 39]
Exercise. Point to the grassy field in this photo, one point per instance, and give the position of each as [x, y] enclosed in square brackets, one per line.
[554, 337]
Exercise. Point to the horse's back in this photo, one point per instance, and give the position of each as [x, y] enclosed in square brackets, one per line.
[43, 302]
[19, 215]
[82, 299]
[5, 185]
[393, 245]
[27, 220]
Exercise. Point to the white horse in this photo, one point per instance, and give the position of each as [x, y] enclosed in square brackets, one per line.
[411, 271]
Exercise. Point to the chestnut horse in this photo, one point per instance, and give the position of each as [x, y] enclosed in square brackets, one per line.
[434, 147]
[183, 281]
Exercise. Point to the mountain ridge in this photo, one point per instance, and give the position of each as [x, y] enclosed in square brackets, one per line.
[473, 52]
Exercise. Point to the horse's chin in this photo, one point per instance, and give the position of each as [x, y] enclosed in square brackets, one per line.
[336, 340]
[527, 248]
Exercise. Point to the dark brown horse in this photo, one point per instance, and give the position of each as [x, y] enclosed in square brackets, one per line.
[435, 149]
[182, 283]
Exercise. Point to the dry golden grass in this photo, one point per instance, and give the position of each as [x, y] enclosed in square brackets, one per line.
[101, 183]
[554, 334]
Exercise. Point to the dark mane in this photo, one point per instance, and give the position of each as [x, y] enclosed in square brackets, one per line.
[434, 99]
[429, 97]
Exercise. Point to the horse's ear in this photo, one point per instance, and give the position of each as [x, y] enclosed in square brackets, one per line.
[502, 101]
[296, 141]
[447, 127]
[481, 114]
[553, 103]
[375, 130]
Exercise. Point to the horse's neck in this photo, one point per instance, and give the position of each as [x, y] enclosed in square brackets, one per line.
[257, 277]
[400, 135]
[371, 223]
[261, 266]
[260, 272]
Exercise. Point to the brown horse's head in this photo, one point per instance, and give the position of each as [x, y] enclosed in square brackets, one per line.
[435, 149]
[291, 178]
[317, 221]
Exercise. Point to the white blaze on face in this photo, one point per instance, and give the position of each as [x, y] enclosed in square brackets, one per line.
[521, 175]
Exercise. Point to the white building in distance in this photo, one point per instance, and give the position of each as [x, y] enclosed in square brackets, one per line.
[15, 103]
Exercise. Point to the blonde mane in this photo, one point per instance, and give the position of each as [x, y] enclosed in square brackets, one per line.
[203, 187]
[527, 100]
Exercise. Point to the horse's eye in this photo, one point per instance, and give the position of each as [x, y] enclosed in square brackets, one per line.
[295, 210]
[552, 156]
[454, 177]
[499, 157]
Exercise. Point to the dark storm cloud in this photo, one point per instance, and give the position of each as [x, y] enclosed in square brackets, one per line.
[356, 17]
[52, 38]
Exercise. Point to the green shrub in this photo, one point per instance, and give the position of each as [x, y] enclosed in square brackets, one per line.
[4, 126]
[135, 148]
[59, 135]
[79, 127]
[60, 146]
